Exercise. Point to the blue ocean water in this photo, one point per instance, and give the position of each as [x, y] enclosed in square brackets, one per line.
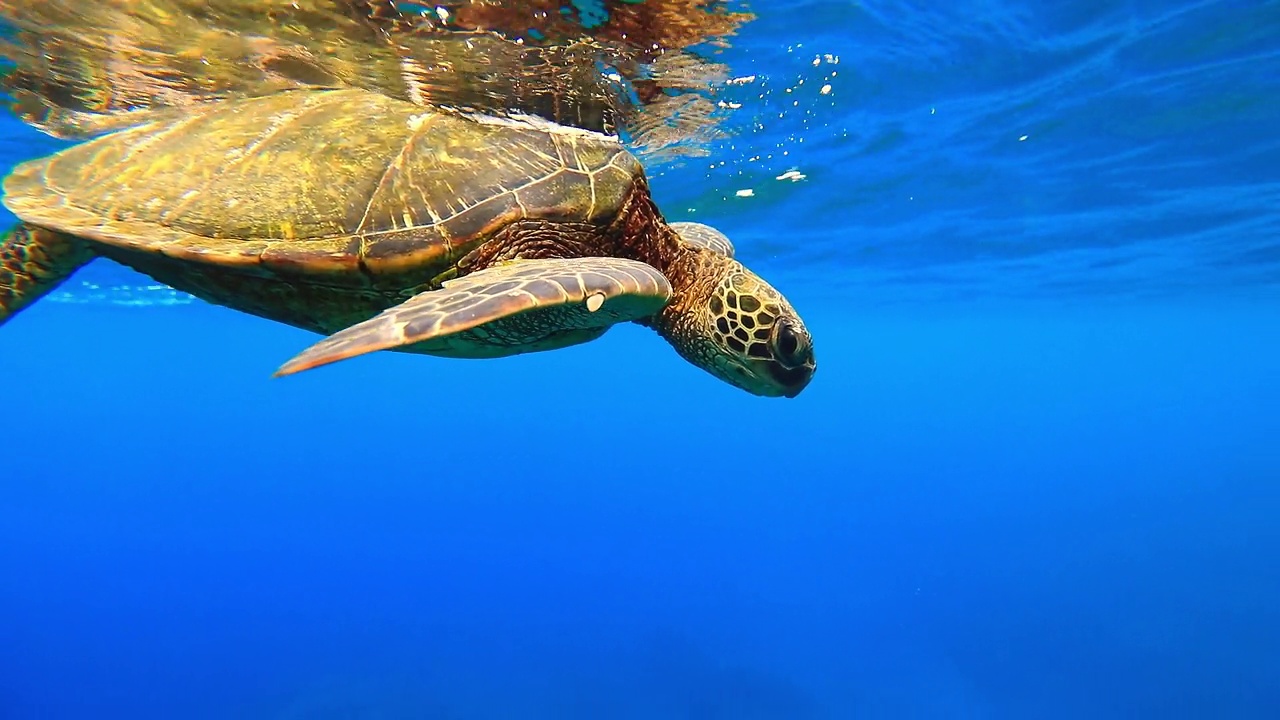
[1034, 477]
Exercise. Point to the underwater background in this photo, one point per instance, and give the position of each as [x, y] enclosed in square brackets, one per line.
[1035, 476]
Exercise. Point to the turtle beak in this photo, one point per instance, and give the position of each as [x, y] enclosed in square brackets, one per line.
[793, 380]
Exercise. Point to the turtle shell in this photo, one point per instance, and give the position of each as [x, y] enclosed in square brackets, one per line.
[333, 182]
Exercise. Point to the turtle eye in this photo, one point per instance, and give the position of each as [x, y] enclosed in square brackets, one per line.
[792, 350]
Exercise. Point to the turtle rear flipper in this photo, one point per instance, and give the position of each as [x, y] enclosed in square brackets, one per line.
[34, 261]
[518, 307]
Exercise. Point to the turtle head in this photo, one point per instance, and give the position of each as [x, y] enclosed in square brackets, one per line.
[728, 321]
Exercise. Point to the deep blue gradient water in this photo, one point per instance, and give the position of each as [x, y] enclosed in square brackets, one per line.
[1036, 475]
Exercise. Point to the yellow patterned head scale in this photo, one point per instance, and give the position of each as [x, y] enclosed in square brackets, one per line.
[730, 322]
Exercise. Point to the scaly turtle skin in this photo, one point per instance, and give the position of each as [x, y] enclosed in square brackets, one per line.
[383, 225]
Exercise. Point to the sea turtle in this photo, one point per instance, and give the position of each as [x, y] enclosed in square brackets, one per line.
[384, 225]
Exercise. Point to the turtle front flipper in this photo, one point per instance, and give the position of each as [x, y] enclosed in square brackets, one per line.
[34, 261]
[518, 307]
[704, 236]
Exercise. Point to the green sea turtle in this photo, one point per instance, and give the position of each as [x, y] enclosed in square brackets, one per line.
[384, 225]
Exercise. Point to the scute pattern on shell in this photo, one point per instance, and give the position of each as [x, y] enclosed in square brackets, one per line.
[321, 181]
